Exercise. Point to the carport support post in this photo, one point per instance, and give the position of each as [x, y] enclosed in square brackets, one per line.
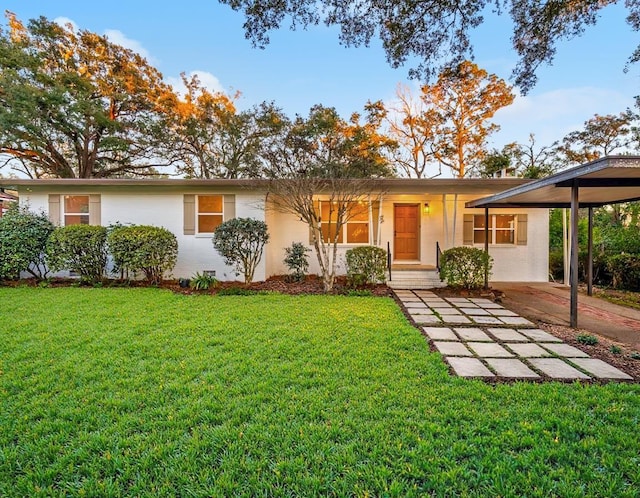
[486, 246]
[590, 253]
[573, 271]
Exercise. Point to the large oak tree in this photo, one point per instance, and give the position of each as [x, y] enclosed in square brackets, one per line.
[207, 137]
[75, 105]
[436, 33]
[461, 104]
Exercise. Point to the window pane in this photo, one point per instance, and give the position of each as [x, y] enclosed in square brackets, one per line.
[359, 211]
[478, 221]
[210, 204]
[478, 237]
[328, 236]
[76, 203]
[358, 233]
[505, 221]
[505, 237]
[326, 210]
[207, 223]
[76, 219]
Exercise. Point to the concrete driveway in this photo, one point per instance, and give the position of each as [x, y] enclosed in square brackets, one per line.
[549, 303]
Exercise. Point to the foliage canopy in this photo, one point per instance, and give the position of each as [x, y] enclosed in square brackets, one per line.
[75, 105]
[436, 34]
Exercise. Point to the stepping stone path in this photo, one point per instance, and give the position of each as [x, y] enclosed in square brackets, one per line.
[481, 339]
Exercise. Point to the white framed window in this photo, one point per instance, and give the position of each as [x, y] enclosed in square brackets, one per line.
[75, 210]
[502, 229]
[210, 213]
[354, 231]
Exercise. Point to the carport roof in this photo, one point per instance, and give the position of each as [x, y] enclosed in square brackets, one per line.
[604, 181]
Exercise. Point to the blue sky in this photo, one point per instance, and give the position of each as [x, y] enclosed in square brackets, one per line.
[299, 69]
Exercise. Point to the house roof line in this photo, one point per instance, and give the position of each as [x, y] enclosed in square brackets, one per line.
[607, 180]
[474, 186]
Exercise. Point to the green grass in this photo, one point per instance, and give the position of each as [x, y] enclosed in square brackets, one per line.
[140, 392]
[629, 299]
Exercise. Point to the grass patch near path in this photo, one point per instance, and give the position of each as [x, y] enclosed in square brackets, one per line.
[141, 392]
[622, 297]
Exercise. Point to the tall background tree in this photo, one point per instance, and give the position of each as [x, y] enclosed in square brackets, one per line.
[75, 105]
[464, 99]
[448, 123]
[207, 137]
[436, 33]
[411, 124]
[601, 136]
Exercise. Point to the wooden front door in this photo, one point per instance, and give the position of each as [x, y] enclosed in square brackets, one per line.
[406, 231]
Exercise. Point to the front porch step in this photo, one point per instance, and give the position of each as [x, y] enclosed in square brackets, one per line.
[415, 279]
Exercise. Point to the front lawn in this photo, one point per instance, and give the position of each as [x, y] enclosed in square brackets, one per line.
[141, 392]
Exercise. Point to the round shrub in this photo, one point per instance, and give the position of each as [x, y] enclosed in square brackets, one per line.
[23, 240]
[240, 242]
[464, 267]
[142, 248]
[79, 248]
[366, 265]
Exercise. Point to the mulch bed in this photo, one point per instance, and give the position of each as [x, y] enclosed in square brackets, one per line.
[312, 284]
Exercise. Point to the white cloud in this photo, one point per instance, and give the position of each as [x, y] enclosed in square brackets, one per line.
[551, 115]
[114, 36]
[65, 21]
[119, 38]
[207, 80]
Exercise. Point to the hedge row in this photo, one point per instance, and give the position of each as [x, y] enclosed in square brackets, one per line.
[30, 243]
[619, 271]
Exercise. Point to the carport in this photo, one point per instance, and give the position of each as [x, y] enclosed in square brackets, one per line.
[608, 180]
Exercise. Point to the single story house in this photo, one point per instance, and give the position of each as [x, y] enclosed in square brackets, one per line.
[410, 217]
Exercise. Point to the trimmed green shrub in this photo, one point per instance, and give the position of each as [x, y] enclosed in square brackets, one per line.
[465, 267]
[297, 261]
[79, 248]
[23, 241]
[625, 271]
[142, 248]
[240, 242]
[366, 265]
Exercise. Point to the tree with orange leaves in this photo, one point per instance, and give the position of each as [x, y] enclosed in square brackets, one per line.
[75, 105]
[448, 124]
[211, 139]
[462, 102]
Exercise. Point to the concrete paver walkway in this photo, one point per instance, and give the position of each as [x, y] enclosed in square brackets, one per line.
[479, 339]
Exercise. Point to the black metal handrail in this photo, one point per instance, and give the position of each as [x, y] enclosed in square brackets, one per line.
[389, 258]
[438, 255]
